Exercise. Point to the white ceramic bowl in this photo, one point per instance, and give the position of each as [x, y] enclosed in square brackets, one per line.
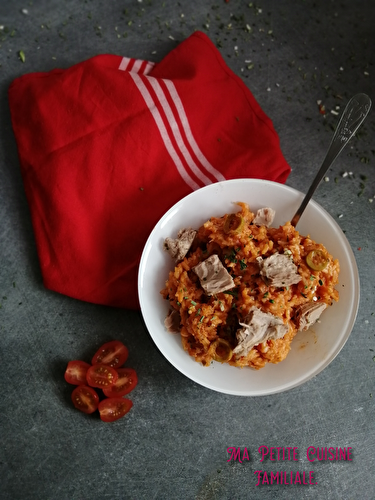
[312, 350]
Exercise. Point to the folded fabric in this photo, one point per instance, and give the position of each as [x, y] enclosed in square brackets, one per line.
[108, 145]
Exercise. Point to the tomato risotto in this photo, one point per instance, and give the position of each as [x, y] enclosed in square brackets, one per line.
[241, 290]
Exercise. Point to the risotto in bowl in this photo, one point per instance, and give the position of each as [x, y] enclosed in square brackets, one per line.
[240, 301]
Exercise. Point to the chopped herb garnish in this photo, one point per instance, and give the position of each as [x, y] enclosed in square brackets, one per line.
[22, 56]
[232, 256]
[242, 264]
[232, 292]
[192, 302]
[303, 295]
[265, 295]
[272, 301]
[202, 318]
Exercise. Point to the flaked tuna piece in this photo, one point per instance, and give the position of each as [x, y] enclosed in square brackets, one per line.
[213, 276]
[179, 247]
[264, 216]
[258, 327]
[308, 314]
[278, 270]
[172, 321]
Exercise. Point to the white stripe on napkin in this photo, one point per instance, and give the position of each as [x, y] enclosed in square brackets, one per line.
[177, 122]
[148, 67]
[176, 131]
[136, 65]
[124, 63]
[163, 131]
[185, 123]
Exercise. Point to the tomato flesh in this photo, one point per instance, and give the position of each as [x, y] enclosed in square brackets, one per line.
[112, 409]
[101, 376]
[75, 372]
[113, 354]
[127, 380]
[85, 399]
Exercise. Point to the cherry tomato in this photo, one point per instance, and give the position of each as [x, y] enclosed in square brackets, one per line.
[85, 399]
[101, 376]
[112, 353]
[112, 409]
[316, 260]
[75, 372]
[127, 380]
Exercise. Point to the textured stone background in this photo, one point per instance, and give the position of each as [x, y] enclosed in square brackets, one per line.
[173, 443]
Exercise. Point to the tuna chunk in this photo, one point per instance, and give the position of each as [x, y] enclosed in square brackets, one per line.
[308, 314]
[179, 247]
[264, 216]
[213, 276]
[278, 270]
[258, 327]
[172, 321]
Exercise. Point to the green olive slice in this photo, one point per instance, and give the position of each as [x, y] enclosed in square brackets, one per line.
[233, 223]
[223, 351]
[316, 260]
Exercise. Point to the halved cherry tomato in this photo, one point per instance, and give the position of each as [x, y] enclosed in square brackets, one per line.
[233, 223]
[75, 372]
[316, 260]
[85, 399]
[112, 409]
[101, 376]
[127, 380]
[113, 353]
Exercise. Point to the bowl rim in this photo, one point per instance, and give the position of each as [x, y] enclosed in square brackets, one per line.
[354, 272]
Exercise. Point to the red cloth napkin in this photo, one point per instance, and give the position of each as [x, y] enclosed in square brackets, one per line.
[107, 146]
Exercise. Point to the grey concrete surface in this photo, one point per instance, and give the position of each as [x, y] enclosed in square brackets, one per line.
[173, 443]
